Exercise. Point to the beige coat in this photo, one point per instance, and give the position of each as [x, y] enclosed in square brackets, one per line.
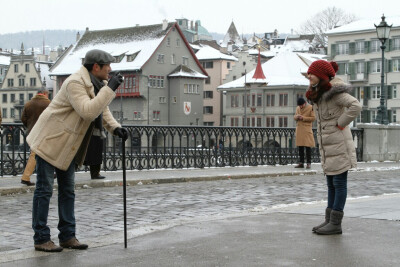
[336, 147]
[61, 128]
[304, 133]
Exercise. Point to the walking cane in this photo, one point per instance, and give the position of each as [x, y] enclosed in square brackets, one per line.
[124, 190]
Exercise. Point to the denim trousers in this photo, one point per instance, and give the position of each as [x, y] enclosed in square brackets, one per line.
[41, 201]
[337, 191]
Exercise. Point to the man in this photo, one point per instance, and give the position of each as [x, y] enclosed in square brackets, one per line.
[304, 135]
[32, 110]
[60, 138]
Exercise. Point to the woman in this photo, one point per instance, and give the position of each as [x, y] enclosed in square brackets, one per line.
[335, 109]
[304, 117]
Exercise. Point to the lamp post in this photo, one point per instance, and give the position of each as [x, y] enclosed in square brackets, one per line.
[383, 31]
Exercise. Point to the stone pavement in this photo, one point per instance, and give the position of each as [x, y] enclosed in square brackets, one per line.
[279, 235]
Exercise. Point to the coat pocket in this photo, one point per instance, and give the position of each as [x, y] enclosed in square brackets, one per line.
[53, 145]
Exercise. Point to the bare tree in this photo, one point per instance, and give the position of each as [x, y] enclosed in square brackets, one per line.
[324, 21]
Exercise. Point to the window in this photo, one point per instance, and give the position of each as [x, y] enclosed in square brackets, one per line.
[208, 94]
[156, 115]
[168, 41]
[30, 95]
[191, 88]
[4, 113]
[360, 67]
[270, 100]
[343, 49]
[21, 97]
[234, 101]
[178, 42]
[234, 121]
[185, 61]
[16, 68]
[26, 67]
[208, 123]
[228, 65]
[396, 44]
[4, 98]
[12, 113]
[12, 98]
[248, 100]
[259, 100]
[360, 47]
[137, 115]
[208, 80]
[173, 59]
[253, 100]
[394, 95]
[396, 65]
[258, 121]
[283, 100]
[343, 68]
[246, 123]
[299, 95]
[376, 66]
[376, 92]
[375, 46]
[33, 82]
[156, 81]
[174, 99]
[270, 122]
[10, 82]
[283, 121]
[394, 115]
[208, 110]
[160, 58]
[21, 82]
[208, 65]
[373, 115]
[162, 99]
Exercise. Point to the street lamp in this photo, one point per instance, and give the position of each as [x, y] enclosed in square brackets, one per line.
[383, 31]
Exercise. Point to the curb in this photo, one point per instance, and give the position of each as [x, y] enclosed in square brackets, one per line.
[133, 182]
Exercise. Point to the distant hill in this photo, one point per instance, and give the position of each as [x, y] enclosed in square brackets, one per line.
[51, 38]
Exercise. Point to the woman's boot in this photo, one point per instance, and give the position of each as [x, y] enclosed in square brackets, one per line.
[327, 217]
[334, 226]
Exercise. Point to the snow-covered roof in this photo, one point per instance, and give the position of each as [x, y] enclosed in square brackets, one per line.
[142, 40]
[5, 60]
[285, 69]
[364, 25]
[45, 73]
[208, 53]
[184, 71]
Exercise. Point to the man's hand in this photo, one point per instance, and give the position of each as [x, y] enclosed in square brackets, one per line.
[121, 132]
[115, 81]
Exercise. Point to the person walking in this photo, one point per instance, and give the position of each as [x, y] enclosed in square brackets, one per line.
[30, 114]
[60, 139]
[335, 109]
[304, 118]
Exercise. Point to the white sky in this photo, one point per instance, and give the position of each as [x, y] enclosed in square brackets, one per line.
[249, 16]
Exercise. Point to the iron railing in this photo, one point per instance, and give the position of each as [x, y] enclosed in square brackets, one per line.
[154, 147]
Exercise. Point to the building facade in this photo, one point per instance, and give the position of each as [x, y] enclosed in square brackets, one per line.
[357, 50]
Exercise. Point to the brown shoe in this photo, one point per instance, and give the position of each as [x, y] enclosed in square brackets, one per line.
[74, 244]
[308, 166]
[28, 183]
[49, 246]
[300, 165]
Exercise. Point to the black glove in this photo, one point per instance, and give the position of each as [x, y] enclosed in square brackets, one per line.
[121, 132]
[115, 81]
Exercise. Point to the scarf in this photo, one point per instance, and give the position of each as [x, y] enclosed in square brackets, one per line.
[98, 122]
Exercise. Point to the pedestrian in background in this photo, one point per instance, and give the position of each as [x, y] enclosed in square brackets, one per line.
[60, 139]
[304, 118]
[335, 109]
[32, 110]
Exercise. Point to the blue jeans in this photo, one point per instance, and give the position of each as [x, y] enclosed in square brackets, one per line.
[337, 191]
[41, 201]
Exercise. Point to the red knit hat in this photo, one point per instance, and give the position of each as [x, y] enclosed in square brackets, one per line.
[323, 69]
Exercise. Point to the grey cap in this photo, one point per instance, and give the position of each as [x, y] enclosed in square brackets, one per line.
[98, 56]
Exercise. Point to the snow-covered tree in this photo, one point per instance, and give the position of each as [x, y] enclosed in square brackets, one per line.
[324, 21]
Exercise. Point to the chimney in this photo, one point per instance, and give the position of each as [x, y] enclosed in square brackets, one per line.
[78, 36]
[196, 26]
[87, 29]
[164, 24]
[191, 25]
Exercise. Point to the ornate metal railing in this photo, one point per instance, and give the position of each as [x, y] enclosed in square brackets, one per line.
[153, 147]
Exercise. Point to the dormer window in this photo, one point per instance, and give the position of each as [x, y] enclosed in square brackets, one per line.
[130, 58]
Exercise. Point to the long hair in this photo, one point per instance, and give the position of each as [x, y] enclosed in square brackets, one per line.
[314, 94]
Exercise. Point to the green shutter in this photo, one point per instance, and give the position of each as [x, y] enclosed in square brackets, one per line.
[342, 68]
[390, 66]
[389, 92]
[333, 50]
[390, 44]
[352, 70]
[390, 115]
[366, 116]
[368, 69]
[366, 47]
[367, 93]
[365, 70]
[352, 48]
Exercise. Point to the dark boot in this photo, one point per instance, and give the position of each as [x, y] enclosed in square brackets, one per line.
[300, 165]
[327, 217]
[95, 172]
[334, 227]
